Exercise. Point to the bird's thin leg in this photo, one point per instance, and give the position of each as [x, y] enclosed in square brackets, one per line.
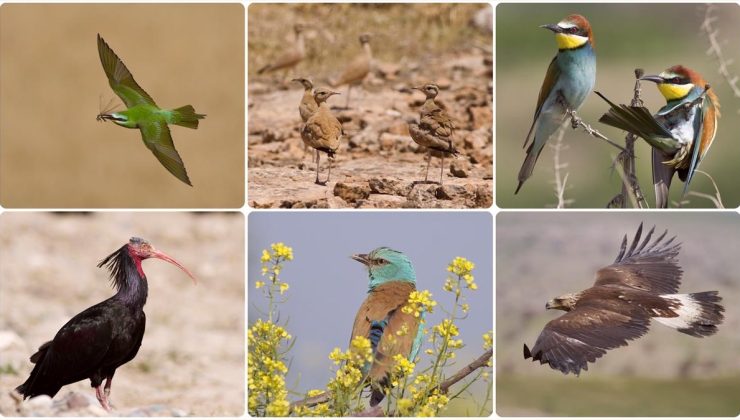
[442, 169]
[318, 158]
[349, 90]
[429, 161]
[329, 176]
[102, 398]
[108, 383]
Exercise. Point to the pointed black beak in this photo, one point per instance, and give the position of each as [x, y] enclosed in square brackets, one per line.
[553, 27]
[653, 78]
[361, 258]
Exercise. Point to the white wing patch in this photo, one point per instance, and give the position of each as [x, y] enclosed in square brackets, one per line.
[688, 310]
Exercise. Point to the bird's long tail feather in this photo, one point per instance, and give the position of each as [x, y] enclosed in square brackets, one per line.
[698, 313]
[186, 116]
[528, 166]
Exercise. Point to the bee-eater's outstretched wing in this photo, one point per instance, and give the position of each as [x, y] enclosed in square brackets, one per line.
[638, 121]
[551, 77]
[120, 79]
[157, 138]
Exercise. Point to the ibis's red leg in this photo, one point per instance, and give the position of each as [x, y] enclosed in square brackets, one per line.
[108, 381]
[102, 397]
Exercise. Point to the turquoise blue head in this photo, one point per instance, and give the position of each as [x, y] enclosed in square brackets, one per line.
[385, 264]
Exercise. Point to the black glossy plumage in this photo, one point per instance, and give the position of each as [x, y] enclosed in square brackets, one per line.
[95, 342]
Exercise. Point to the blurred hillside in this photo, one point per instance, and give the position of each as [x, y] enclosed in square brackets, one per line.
[399, 32]
[541, 256]
[626, 37]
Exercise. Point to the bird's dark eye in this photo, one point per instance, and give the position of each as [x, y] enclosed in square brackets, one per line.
[677, 81]
[380, 261]
[572, 30]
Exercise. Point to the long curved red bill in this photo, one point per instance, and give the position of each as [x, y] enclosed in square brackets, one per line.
[162, 256]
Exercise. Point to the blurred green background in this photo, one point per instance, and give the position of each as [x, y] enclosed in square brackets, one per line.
[627, 36]
[664, 373]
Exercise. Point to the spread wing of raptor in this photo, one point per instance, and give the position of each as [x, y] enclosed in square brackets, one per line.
[639, 286]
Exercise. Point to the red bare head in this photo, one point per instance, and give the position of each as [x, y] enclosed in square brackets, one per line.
[141, 249]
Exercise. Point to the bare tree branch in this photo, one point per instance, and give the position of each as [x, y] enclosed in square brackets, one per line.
[715, 49]
[467, 370]
[576, 121]
[630, 184]
[560, 181]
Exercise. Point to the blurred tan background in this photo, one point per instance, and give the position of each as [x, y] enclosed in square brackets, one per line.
[191, 361]
[651, 36]
[664, 373]
[53, 153]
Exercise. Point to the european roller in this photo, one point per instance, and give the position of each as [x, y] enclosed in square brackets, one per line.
[680, 133]
[380, 318]
[568, 81]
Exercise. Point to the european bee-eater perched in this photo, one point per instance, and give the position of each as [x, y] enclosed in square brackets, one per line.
[680, 133]
[380, 318]
[568, 81]
[144, 114]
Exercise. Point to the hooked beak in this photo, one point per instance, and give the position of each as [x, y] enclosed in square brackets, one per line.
[162, 256]
[652, 78]
[550, 305]
[553, 27]
[361, 258]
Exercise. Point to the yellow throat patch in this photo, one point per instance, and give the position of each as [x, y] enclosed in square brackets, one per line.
[569, 41]
[671, 91]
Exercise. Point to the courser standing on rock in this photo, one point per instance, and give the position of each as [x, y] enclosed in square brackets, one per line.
[357, 69]
[100, 339]
[435, 129]
[322, 131]
[640, 285]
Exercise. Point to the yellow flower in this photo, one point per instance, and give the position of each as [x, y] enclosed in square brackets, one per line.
[265, 256]
[283, 287]
[403, 366]
[419, 302]
[258, 284]
[488, 340]
[465, 307]
[280, 250]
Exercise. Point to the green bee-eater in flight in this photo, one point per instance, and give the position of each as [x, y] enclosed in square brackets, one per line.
[144, 114]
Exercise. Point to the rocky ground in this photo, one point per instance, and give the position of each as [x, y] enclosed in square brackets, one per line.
[378, 165]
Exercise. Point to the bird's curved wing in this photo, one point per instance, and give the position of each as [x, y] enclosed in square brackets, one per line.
[705, 128]
[157, 138]
[74, 354]
[551, 77]
[120, 79]
[584, 334]
[646, 266]
[438, 122]
[380, 319]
